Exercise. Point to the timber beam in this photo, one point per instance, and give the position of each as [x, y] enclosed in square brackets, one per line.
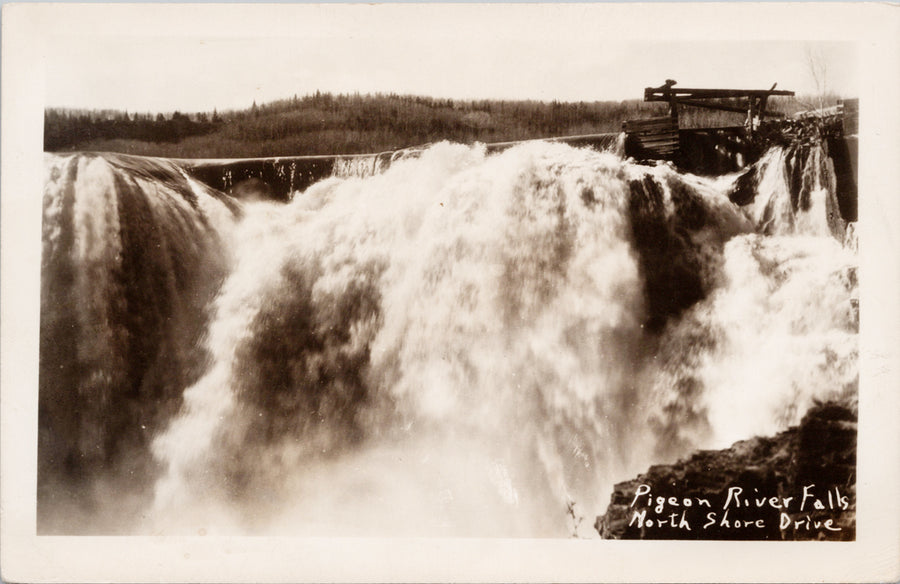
[667, 92]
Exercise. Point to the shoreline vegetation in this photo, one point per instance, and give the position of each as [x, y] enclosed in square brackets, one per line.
[328, 124]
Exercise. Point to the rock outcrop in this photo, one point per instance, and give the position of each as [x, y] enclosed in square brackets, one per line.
[797, 485]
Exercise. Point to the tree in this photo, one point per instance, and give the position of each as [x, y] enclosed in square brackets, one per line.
[818, 69]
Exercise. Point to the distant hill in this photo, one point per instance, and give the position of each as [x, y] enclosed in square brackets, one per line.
[323, 123]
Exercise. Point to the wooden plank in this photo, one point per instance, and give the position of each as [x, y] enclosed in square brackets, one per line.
[654, 140]
[650, 127]
[724, 107]
[850, 105]
[652, 121]
[646, 137]
[656, 137]
[659, 140]
[651, 124]
[652, 131]
[656, 126]
[850, 116]
[665, 93]
[649, 120]
[651, 138]
[655, 129]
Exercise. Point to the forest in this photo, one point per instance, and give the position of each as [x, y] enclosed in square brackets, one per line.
[325, 123]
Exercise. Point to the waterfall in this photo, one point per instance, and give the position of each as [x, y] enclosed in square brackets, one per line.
[461, 343]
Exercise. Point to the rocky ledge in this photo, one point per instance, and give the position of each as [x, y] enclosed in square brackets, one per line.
[797, 485]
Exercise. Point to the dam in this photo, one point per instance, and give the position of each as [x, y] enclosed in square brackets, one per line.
[706, 151]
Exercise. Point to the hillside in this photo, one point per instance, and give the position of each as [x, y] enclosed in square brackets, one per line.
[324, 123]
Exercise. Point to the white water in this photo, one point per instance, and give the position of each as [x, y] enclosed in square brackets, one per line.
[496, 317]
[780, 332]
[469, 345]
[773, 211]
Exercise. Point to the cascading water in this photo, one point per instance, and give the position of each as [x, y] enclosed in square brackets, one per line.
[465, 344]
[133, 251]
[797, 193]
[362, 165]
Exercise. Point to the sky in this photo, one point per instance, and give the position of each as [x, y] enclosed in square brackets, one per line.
[203, 68]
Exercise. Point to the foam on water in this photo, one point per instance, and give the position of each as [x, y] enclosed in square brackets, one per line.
[796, 193]
[473, 344]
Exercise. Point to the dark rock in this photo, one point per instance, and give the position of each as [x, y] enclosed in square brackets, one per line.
[744, 190]
[798, 485]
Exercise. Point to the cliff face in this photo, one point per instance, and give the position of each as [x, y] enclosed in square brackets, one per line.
[798, 485]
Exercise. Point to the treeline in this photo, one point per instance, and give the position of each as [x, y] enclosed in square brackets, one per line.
[73, 129]
[324, 123]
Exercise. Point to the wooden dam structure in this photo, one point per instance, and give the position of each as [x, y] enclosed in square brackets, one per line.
[725, 149]
[659, 138]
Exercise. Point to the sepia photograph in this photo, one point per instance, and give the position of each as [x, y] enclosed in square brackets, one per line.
[392, 283]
